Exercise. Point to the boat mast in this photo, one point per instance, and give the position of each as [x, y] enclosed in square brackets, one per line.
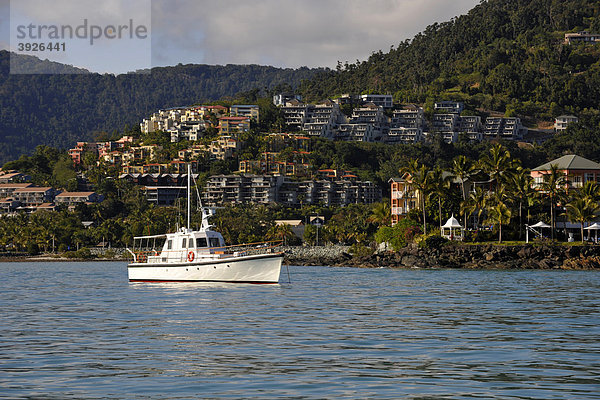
[189, 197]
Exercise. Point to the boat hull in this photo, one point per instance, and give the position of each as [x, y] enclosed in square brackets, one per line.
[246, 269]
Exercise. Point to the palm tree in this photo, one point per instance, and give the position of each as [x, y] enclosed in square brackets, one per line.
[498, 164]
[475, 203]
[380, 213]
[554, 187]
[421, 181]
[498, 212]
[521, 192]
[590, 190]
[281, 232]
[462, 168]
[581, 209]
[440, 185]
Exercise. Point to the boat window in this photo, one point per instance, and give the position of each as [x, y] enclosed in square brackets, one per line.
[170, 244]
[184, 244]
[214, 242]
[201, 242]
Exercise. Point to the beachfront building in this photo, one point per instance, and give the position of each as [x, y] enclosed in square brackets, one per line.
[403, 197]
[576, 169]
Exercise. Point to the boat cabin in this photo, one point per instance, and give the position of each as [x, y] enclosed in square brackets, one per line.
[182, 246]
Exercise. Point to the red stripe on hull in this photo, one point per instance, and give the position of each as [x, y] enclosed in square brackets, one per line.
[192, 281]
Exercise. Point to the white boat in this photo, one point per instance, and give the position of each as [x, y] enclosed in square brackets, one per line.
[201, 256]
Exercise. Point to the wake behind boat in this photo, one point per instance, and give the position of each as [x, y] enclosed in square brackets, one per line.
[201, 256]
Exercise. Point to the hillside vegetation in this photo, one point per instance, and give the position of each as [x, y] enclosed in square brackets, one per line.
[504, 55]
[58, 110]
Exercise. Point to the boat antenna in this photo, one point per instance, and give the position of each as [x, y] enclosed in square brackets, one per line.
[204, 224]
[189, 197]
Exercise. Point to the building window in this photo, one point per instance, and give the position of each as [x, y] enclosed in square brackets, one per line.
[577, 181]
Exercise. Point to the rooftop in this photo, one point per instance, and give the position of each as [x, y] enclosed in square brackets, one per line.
[570, 161]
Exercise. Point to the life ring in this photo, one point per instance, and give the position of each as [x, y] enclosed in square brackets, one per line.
[191, 256]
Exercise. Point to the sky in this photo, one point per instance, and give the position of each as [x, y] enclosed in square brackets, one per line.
[281, 33]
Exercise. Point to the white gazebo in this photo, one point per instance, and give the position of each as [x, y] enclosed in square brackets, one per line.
[593, 227]
[452, 229]
[534, 228]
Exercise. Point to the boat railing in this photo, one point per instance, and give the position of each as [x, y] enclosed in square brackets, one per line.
[148, 256]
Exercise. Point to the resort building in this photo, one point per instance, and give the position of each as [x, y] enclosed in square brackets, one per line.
[382, 100]
[406, 125]
[247, 188]
[582, 37]
[13, 177]
[77, 152]
[577, 170]
[471, 126]
[561, 122]
[248, 111]
[403, 197]
[73, 198]
[449, 107]
[503, 128]
[282, 98]
[233, 125]
[34, 196]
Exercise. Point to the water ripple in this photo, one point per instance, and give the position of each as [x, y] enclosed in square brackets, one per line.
[82, 331]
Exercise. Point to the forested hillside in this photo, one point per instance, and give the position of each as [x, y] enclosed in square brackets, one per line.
[504, 55]
[58, 110]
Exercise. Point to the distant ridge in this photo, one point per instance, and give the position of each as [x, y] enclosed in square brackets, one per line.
[61, 109]
[504, 55]
[21, 62]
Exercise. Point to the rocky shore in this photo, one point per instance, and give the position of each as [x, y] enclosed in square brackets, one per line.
[531, 256]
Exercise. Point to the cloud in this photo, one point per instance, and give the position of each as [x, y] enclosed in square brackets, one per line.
[4, 24]
[289, 32]
[284, 33]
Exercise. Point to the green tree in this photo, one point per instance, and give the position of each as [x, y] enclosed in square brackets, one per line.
[553, 186]
[420, 180]
[581, 209]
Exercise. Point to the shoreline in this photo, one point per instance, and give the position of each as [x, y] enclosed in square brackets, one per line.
[464, 256]
[450, 256]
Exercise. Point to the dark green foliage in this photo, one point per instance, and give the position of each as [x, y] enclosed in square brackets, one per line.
[62, 109]
[360, 250]
[503, 55]
[582, 138]
[399, 235]
[432, 241]
[246, 223]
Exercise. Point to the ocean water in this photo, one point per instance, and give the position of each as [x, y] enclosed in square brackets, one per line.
[80, 330]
